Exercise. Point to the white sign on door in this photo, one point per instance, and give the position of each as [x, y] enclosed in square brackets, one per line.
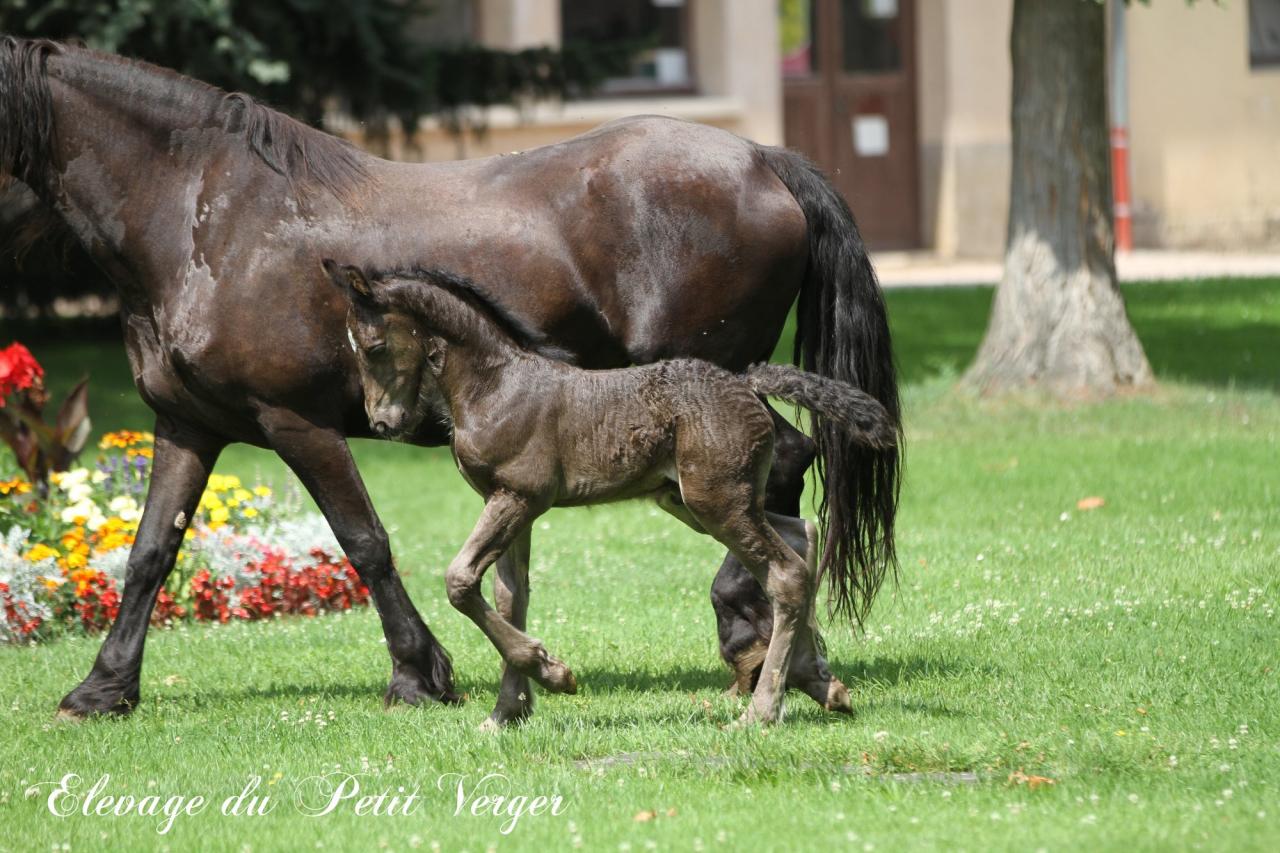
[871, 136]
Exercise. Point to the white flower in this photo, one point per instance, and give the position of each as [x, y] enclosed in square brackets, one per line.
[125, 507]
[79, 492]
[75, 477]
[79, 509]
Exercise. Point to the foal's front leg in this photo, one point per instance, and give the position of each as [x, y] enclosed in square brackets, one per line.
[506, 517]
[511, 593]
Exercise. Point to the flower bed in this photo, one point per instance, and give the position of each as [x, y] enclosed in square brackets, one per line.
[248, 555]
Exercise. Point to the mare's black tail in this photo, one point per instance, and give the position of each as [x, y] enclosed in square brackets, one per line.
[843, 333]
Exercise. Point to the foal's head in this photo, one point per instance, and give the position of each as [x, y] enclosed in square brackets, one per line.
[399, 359]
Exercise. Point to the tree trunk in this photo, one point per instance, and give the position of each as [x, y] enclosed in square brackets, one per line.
[1059, 320]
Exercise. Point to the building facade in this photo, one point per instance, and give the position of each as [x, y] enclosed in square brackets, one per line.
[906, 104]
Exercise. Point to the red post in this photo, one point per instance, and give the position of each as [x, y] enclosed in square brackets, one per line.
[1120, 188]
[1121, 199]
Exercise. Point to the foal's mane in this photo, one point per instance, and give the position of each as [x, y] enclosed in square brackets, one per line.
[308, 158]
[473, 299]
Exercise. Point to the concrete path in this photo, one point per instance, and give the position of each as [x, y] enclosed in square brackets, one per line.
[921, 269]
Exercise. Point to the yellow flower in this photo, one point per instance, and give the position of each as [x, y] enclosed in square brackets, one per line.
[219, 515]
[52, 583]
[144, 452]
[262, 491]
[223, 482]
[41, 551]
[249, 512]
[242, 495]
[125, 438]
[77, 560]
[210, 501]
[16, 486]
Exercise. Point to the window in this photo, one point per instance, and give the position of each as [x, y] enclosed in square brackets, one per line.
[446, 23]
[658, 28]
[872, 36]
[1264, 33]
[797, 32]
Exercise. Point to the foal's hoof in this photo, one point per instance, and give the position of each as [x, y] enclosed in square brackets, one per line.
[548, 671]
[557, 678]
[751, 719]
[838, 698]
[491, 726]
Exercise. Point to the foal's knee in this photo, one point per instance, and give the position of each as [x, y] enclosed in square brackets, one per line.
[791, 586]
[460, 585]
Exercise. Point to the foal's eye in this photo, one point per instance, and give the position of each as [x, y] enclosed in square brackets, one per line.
[375, 348]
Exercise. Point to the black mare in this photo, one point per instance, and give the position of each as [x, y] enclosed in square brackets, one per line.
[643, 239]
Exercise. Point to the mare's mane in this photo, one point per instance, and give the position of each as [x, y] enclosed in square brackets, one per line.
[308, 158]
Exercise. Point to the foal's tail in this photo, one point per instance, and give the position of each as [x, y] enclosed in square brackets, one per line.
[842, 332]
[859, 415]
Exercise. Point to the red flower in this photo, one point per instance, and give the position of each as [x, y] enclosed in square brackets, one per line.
[15, 613]
[19, 370]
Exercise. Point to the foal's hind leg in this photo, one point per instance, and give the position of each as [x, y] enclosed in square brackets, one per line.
[783, 575]
[506, 516]
[726, 502]
[743, 615]
[809, 671]
[511, 593]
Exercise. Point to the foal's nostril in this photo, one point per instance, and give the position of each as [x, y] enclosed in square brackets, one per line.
[381, 427]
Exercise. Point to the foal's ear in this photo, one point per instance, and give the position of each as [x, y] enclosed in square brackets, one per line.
[348, 276]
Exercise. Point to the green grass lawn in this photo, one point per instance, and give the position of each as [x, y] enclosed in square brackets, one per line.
[1130, 653]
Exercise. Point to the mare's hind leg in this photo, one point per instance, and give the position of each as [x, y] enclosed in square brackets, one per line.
[511, 592]
[183, 459]
[505, 518]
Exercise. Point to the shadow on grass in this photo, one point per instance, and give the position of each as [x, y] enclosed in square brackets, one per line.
[1241, 354]
[682, 680]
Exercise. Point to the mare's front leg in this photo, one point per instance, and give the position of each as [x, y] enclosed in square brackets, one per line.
[420, 667]
[183, 460]
[511, 593]
[506, 517]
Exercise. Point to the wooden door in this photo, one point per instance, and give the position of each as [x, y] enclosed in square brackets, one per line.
[850, 104]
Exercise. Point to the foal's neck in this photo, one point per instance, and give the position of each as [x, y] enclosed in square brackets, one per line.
[479, 352]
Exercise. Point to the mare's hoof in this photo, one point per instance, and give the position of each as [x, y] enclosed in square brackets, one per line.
[66, 716]
[409, 688]
[75, 709]
[97, 698]
[492, 726]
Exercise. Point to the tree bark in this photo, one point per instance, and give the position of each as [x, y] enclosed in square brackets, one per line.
[1059, 320]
